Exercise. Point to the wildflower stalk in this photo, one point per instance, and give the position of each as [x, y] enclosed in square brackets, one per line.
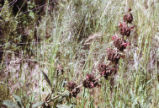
[106, 70]
[113, 55]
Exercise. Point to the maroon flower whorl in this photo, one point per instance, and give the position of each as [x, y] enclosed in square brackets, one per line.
[90, 81]
[124, 29]
[102, 67]
[73, 89]
[119, 43]
[128, 18]
[113, 56]
[106, 70]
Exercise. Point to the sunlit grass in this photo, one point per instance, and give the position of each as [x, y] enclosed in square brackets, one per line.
[68, 27]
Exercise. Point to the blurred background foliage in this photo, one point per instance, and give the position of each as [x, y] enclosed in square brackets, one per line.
[51, 36]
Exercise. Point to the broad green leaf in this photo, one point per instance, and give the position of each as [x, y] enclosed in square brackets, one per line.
[10, 104]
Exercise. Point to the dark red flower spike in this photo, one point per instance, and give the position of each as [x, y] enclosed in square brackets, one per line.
[113, 56]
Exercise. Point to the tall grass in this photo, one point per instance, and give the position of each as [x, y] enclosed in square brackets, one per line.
[68, 27]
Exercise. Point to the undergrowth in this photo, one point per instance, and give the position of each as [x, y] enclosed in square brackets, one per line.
[42, 50]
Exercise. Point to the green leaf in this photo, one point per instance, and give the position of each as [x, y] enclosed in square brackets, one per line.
[10, 104]
[38, 104]
[64, 106]
[18, 100]
[32, 15]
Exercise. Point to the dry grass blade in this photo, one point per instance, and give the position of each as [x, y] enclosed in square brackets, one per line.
[47, 79]
[92, 37]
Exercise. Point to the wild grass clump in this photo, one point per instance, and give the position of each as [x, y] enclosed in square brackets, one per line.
[79, 53]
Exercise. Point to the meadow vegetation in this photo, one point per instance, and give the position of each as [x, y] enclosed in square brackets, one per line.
[48, 49]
